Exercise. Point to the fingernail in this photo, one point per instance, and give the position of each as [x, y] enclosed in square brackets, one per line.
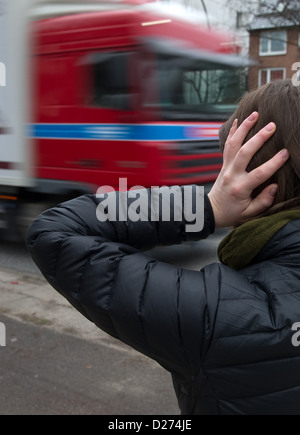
[253, 116]
[285, 154]
[273, 191]
[270, 127]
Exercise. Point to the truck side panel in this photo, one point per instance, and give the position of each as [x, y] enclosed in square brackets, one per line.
[15, 96]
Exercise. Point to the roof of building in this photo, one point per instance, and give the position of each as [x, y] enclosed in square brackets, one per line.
[273, 14]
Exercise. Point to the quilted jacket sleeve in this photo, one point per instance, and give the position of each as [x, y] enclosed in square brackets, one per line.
[158, 309]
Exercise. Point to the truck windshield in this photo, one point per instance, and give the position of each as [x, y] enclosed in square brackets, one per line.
[196, 89]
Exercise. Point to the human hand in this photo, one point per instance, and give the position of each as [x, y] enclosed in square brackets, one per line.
[230, 195]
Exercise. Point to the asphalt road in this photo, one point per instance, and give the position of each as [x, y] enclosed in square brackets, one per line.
[56, 363]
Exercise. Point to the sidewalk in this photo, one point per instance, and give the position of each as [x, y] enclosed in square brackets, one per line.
[57, 362]
[31, 299]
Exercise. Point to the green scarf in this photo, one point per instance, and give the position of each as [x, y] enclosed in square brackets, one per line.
[245, 242]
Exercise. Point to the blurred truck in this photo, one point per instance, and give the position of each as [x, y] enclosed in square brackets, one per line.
[88, 97]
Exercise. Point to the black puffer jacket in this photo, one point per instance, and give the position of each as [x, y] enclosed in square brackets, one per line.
[225, 336]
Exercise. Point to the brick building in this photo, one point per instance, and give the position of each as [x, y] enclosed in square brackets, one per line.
[274, 45]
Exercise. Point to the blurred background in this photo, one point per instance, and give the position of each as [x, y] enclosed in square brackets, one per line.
[91, 92]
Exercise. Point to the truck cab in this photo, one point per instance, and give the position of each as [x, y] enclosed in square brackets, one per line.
[88, 97]
[130, 93]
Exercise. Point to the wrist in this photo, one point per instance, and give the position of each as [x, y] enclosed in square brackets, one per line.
[211, 215]
[215, 212]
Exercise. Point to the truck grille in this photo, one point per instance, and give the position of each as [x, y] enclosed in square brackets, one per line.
[193, 163]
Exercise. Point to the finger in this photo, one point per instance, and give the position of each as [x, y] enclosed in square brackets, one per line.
[237, 136]
[233, 129]
[261, 174]
[262, 202]
[246, 153]
[230, 135]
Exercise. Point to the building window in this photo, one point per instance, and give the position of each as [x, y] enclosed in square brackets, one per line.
[273, 43]
[270, 74]
[242, 19]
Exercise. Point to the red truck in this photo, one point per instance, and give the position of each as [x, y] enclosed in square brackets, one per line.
[132, 92]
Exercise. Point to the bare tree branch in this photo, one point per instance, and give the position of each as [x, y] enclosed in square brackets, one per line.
[205, 11]
[281, 12]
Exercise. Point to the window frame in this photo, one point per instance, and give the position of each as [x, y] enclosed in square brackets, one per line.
[269, 71]
[95, 99]
[267, 35]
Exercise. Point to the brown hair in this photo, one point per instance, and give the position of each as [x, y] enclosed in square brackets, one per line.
[278, 102]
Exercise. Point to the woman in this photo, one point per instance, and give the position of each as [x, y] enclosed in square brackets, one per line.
[225, 333]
